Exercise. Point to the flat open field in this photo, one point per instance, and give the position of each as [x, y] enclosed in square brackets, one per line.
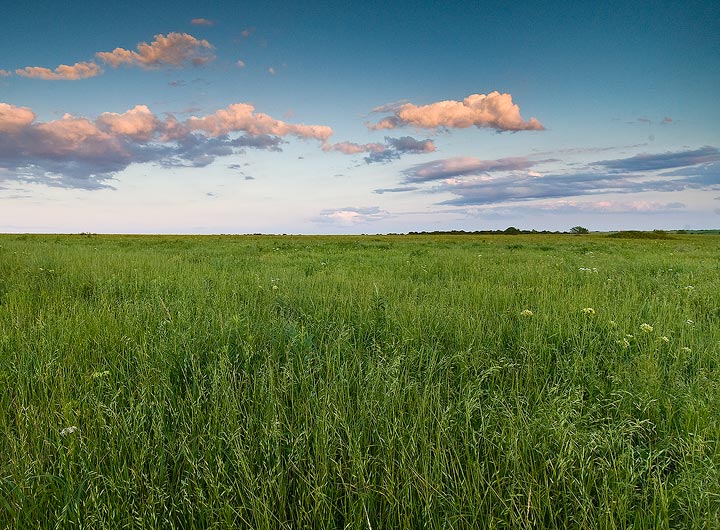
[359, 382]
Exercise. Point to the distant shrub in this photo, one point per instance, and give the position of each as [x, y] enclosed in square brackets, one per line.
[579, 230]
[637, 234]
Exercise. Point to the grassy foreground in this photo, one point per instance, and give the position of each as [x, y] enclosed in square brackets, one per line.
[359, 382]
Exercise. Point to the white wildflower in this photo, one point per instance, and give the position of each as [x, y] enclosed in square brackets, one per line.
[646, 328]
[526, 313]
[68, 430]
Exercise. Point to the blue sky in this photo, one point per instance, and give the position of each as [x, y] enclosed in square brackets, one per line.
[358, 117]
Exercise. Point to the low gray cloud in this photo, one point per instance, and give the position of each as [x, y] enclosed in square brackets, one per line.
[391, 149]
[522, 188]
[474, 182]
[398, 189]
[396, 147]
[668, 160]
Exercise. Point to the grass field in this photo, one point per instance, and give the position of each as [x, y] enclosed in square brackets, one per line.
[359, 382]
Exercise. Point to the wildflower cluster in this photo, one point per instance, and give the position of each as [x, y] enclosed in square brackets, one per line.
[526, 313]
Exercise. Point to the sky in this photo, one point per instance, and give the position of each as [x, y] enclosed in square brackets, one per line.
[358, 117]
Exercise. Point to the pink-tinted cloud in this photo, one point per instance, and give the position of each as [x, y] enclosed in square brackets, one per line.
[13, 118]
[63, 72]
[247, 32]
[241, 117]
[202, 22]
[173, 49]
[5, 73]
[351, 148]
[271, 71]
[81, 153]
[240, 64]
[73, 134]
[450, 168]
[666, 120]
[138, 123]
[495, 110]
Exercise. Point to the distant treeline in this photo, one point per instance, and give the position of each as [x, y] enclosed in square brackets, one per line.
[508, 231]
[622, 234]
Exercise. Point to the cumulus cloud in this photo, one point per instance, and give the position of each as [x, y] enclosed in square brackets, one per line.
[5, 73]
[173, 49]
[241, 117]
[68, 151]
[202, 22]
[138, 123]
[494, 110]
[13, 118]
[83, 153]
[63, 72]
[351, 215]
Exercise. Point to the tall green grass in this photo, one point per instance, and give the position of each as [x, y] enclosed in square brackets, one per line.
[359, 382]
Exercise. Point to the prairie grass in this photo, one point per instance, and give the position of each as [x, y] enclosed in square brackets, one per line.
[359, 382]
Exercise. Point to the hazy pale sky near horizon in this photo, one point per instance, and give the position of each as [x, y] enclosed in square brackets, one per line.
[358, 117]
